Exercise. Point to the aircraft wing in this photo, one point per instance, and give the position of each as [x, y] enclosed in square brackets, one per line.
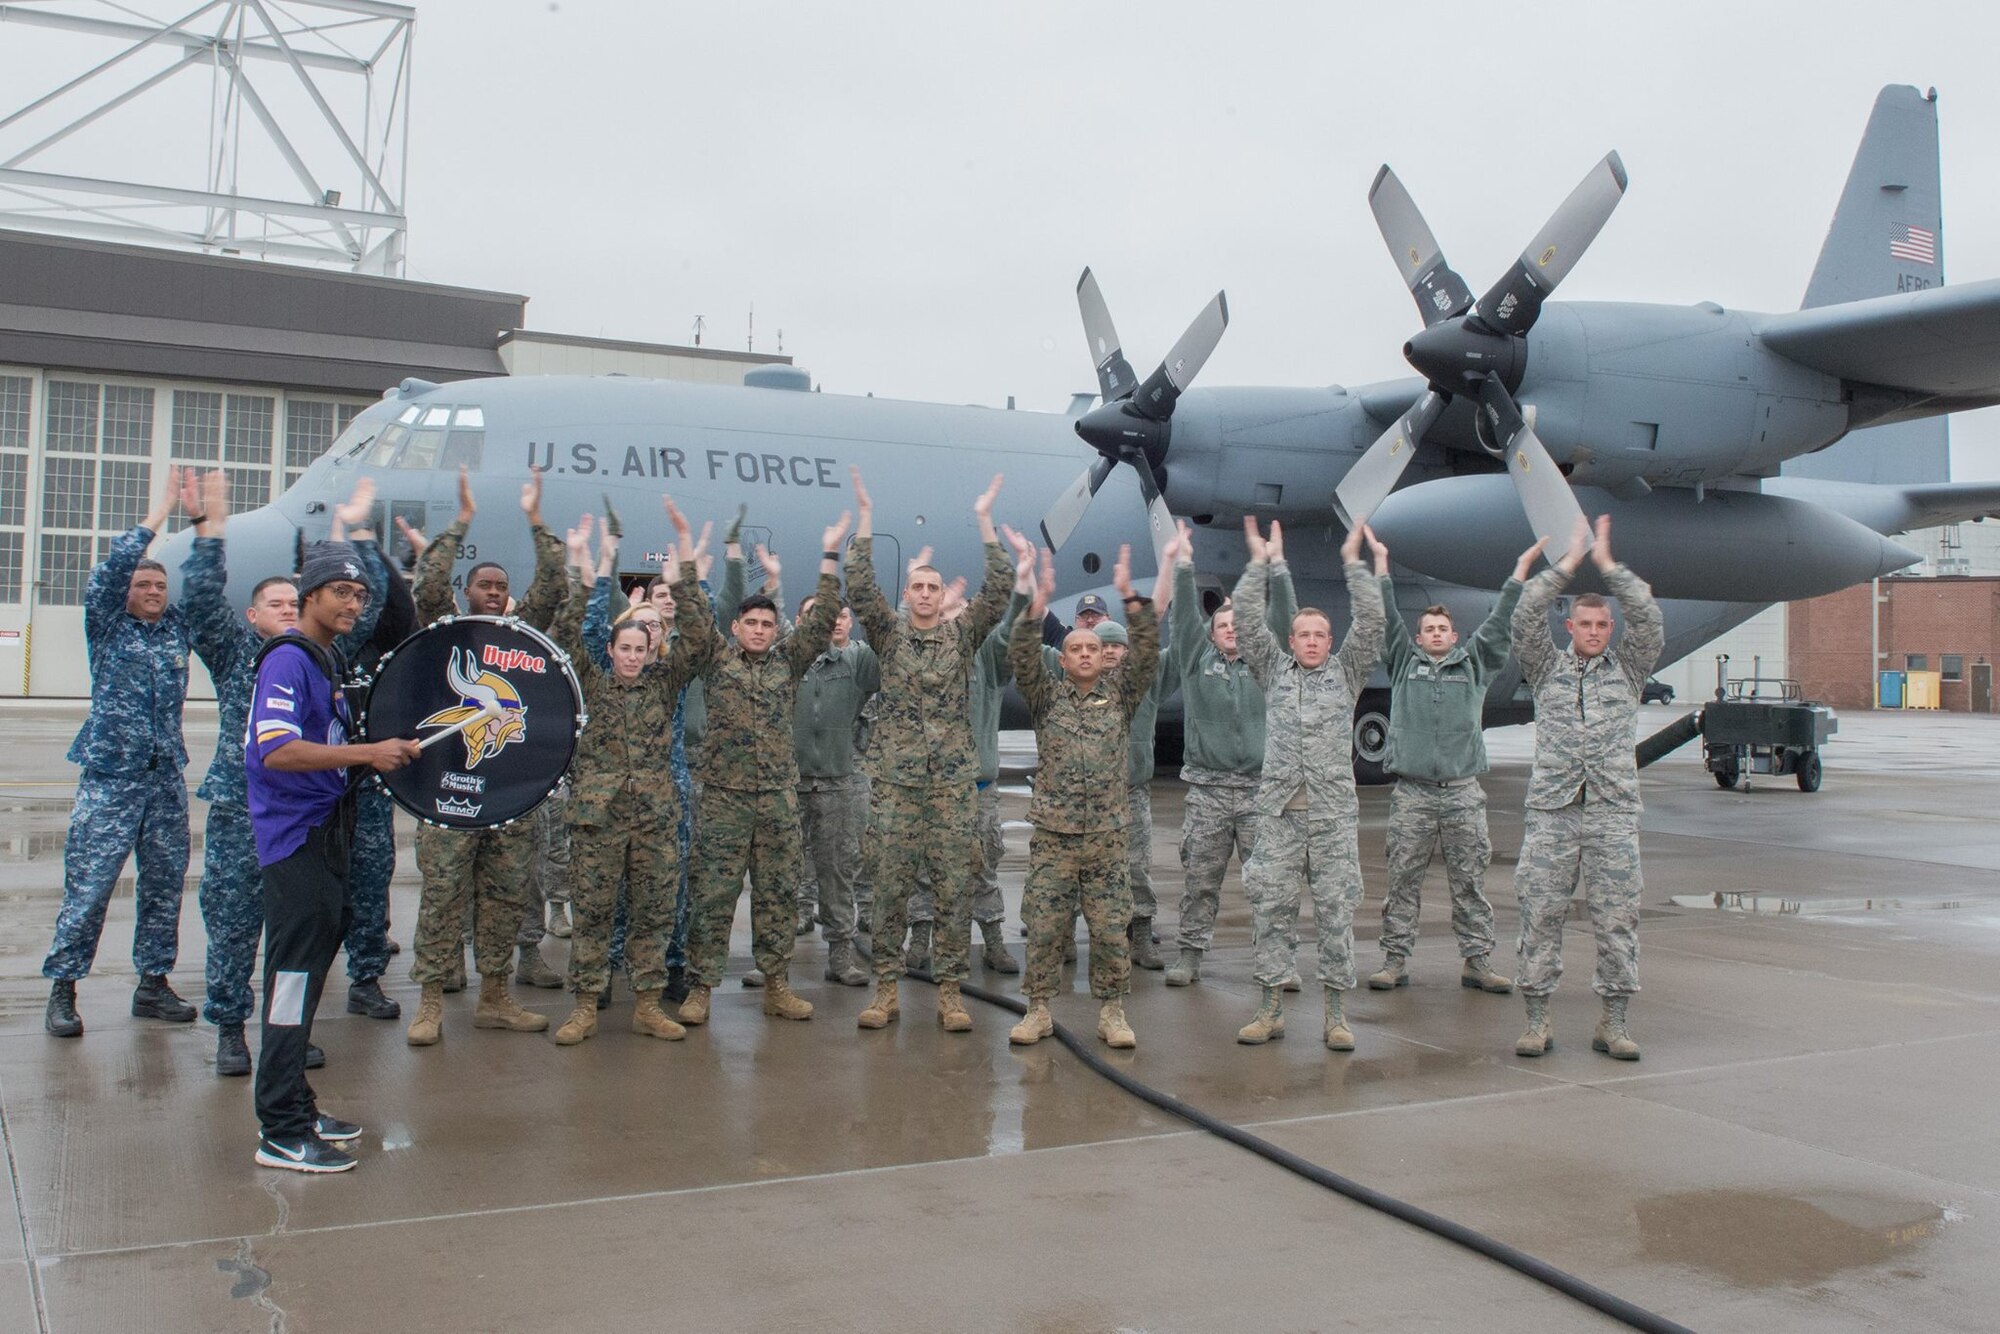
[1892, 509]
[1938, 343]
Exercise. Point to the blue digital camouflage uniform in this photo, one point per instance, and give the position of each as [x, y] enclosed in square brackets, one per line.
[131, 796]
[232, 883]
[1582, 826]
[1310, 815]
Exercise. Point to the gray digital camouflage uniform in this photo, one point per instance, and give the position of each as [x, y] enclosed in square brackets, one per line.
[1582, 826]
[1223, 711]
[1306, 795]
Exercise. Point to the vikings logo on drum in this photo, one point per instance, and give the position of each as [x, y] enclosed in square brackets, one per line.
[477, 688]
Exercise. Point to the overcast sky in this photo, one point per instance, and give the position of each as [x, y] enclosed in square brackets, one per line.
[909, 190]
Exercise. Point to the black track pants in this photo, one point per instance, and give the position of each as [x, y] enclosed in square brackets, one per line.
[306, 916]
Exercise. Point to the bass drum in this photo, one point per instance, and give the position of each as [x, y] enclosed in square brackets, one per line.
[491, 770]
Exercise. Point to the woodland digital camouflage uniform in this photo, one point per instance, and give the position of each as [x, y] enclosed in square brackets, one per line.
[749, 793]
[924, 766]
[1582, 823]
[1079, 810]
[621, 815]
[492, 868]
[1310, 815]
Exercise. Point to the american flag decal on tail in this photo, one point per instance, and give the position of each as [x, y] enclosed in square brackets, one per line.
[1914, 244]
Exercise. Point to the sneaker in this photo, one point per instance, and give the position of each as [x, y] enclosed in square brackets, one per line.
[334, 1130]
[366, 998]
[308, 1154]
[315, 1058]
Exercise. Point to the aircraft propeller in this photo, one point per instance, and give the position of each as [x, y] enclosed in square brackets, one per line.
[1132, 422]
[1479, 350]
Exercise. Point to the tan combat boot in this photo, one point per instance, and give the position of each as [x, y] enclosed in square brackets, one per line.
[582, 1021]
[883, 1008]
[1539, 1037]
[497, 1008]
[781, 1002]
[1111, 1026]
[1267, 1023]
[428, 1026]
[1035, 1025]
[1611, 1037]
[1339, 1037]
[649, 1020]
[694, 1010]
[1395, 973]
[951, 1010]
[1480, 976]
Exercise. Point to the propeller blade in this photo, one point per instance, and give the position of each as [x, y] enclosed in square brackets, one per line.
[1375, 473]
[1546, 497]
[1514, 302]
[1441, 294]
[1067, 511]
[1159, 519]
[1157, 396]
[1115, 377]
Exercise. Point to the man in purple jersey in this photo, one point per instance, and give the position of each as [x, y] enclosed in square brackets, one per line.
[296, 758]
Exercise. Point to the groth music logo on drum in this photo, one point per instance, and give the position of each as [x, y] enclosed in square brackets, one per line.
[455, 782]
[477, 689]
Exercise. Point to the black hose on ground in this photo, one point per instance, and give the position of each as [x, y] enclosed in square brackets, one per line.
[1668, 739]
[1638, 1317]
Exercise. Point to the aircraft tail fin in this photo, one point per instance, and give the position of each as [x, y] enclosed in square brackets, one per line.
[1887, 236]
[1888, 232]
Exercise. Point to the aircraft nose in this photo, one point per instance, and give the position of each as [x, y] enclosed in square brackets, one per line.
[256, 544]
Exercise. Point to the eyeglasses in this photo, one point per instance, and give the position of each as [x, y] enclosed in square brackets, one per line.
[344, 592]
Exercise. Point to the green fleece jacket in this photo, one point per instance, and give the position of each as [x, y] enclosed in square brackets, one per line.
[1222, 704]
[1435, 704]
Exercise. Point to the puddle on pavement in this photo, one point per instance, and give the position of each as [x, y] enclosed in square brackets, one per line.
[1760, 1239]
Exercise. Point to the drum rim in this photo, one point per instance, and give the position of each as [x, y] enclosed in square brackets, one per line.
[556, 652]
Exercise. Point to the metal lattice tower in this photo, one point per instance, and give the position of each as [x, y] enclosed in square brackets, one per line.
[276, 128]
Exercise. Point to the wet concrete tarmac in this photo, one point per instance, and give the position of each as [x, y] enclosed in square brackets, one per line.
[1808, 1144]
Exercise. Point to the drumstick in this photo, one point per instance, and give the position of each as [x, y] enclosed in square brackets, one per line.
[488, 710]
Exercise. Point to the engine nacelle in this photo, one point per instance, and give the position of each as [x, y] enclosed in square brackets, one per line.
[1732, 546]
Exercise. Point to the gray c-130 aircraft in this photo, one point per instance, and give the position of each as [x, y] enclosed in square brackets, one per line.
[1674, 419]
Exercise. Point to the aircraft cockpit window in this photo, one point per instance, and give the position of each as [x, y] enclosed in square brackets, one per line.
[408, 416]
[470, 418]
[422, 451]
[462, 449]
[436, 416]
[387, 443]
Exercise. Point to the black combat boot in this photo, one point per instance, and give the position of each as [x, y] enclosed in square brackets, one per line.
[365, 997]
[232, 1054]
[62, 1019]
[154, 999]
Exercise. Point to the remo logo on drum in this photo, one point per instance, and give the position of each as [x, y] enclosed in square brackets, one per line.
[476, 689]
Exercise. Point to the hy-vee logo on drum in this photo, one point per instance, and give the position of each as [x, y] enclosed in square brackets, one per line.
[477, 690]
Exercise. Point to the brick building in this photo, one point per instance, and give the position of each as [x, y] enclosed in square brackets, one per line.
[1945, 625]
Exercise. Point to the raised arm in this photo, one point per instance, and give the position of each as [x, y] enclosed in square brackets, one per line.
[220, 636]
[1534, 642]
[864, 595]
[1366, 606]
[545, 594]
[1024, 644]
[994, 665]
[1254, 639]
[991, 603]
[1142, 629]
[1187, 629]
[695, 643]
[1645, 629]
[1494, 638]
[1283, 608]
[811, 636]
[110, 583]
